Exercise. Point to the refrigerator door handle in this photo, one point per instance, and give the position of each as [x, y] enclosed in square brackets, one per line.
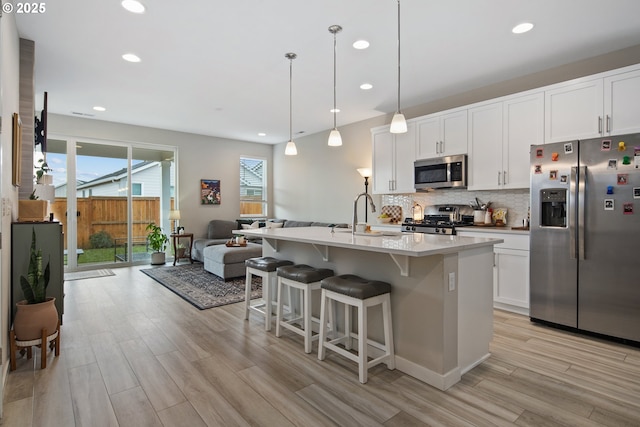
[582, 191]
[571, 213]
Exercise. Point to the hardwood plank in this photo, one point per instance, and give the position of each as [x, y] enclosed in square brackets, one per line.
[181, 414]
[245, 400]
[292, 406]
[91, 403]
[118, 375]
[132, 408]
[52, 395]
[156, 382]
[203, 396]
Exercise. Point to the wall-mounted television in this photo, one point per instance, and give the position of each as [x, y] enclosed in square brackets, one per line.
[41, 127]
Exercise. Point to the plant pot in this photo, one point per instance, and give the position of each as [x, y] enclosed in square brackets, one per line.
[32, 318]
[180, 252]
[157, 258]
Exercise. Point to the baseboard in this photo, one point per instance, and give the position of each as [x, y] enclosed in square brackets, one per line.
[434, 379]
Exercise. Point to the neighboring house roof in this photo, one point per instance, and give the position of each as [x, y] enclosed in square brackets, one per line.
[251, 173]
[117, 175]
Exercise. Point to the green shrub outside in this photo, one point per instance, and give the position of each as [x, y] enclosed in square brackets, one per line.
[100, 240]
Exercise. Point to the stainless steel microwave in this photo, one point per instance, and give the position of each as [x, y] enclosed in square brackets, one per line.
[441, 172]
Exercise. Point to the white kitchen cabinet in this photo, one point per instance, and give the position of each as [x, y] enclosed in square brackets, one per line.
[574, 111]
[621, 106]
[500, 136]
[601, 106]
[510, 269]
[393, 157]
[441, 134]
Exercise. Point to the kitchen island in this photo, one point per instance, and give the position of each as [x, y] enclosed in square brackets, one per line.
[442, 290]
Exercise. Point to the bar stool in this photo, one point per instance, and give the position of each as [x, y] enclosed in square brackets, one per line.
[306, 279]
[354, 291]
[264, 267]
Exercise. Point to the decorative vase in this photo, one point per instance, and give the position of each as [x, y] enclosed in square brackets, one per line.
[31, 319]
[157, 258]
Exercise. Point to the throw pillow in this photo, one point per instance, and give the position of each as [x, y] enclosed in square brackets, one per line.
[274, 224]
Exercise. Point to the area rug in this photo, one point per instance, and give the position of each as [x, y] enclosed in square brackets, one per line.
[89, 274]
[201, 288]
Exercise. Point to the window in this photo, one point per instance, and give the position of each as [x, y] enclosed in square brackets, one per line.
[253, 187]
[136, 189]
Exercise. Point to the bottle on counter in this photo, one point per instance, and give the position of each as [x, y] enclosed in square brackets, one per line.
[488, 216]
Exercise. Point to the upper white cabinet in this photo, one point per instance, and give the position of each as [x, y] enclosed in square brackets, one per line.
[500, 136]
[393, 157]
[596, 107]
[574, 111]
[621, 106]
[441, 134]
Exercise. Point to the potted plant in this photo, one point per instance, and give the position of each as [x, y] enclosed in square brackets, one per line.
[41, 173]
[158, 242]
[37, 311]
[181, 249]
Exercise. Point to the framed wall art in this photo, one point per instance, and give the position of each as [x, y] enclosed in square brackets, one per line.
[210, 191]
[17, 150]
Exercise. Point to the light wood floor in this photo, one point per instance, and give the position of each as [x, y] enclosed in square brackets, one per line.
[135, 354]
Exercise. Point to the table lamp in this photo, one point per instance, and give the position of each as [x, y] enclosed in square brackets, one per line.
[174, 215]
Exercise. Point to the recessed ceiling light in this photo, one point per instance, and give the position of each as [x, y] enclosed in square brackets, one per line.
[133, 6]
[262, 134]
[131, 57]
[522, 28]
[334, 110]
[366, 86]
[99, 108]
[361, 44]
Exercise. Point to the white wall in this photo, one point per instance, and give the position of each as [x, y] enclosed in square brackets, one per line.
[9, 99]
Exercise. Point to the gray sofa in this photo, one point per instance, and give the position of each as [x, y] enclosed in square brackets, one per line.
[219, 232]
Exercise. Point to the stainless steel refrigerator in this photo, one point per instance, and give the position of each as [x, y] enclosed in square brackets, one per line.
[585, 235]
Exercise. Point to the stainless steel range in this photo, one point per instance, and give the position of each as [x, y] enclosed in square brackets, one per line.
[443, 220]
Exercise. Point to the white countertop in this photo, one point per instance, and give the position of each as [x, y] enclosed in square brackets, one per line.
[409, 244]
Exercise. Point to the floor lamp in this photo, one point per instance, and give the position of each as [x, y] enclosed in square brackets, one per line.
[365, 173]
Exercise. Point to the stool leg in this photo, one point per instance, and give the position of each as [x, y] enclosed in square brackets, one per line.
[347, 326]
[388, 332]
[266, 297]
[306, 316]
[323, 324]
[247, 295]
[14, 349]
[279, 306]
[362, 343]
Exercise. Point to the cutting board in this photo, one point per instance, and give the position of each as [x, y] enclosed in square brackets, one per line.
[394, 211]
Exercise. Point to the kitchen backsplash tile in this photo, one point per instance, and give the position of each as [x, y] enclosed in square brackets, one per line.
[515, 201]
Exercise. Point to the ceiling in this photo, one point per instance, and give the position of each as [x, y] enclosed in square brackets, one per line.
[218, 68]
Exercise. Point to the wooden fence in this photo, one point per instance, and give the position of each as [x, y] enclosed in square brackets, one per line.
[109, 214]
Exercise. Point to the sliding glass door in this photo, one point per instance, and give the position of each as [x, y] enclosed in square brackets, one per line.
[112, 191]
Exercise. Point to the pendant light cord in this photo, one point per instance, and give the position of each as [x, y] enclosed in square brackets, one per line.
[290, 99]
[398, 56]
[334, 79]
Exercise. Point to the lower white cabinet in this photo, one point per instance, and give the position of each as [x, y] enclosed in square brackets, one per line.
[510, 270]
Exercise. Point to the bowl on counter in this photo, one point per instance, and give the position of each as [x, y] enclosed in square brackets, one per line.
[384, 220]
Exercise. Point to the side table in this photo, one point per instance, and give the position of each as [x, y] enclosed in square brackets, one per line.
[176, 239]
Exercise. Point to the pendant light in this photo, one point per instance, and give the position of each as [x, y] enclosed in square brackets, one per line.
[290, 149]
[398, 123]
[335, 140]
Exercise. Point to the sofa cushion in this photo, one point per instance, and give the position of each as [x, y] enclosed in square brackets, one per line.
[220, 229]
[289, 224]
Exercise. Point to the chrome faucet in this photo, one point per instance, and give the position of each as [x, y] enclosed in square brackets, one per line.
[355, 209]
